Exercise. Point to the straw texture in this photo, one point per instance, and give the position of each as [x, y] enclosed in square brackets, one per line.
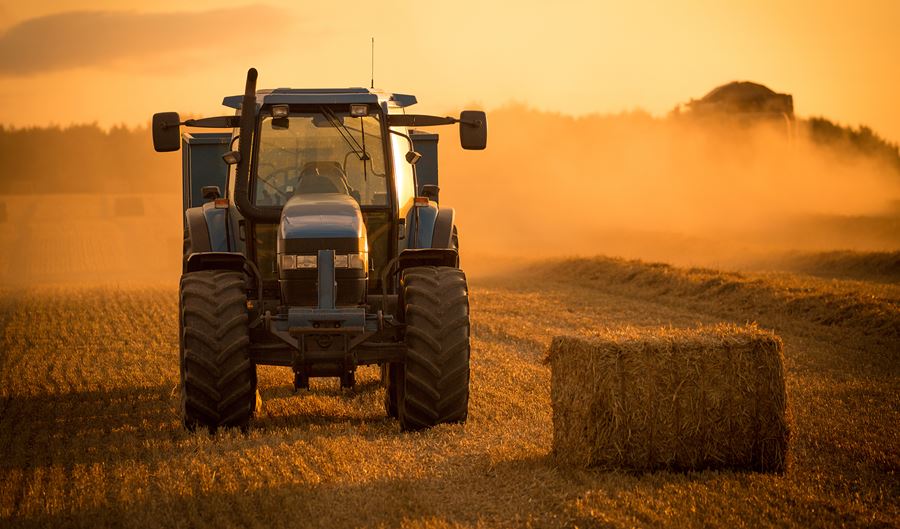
[678, 399]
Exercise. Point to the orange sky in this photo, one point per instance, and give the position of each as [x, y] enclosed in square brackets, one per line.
[119, 61]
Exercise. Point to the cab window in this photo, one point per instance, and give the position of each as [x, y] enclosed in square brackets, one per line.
[403, 177]
[320, 152]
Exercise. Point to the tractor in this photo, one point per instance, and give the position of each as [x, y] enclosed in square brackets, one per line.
[313, 240]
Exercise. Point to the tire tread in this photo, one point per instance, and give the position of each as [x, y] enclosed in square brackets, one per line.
[435, 381]
[218, 378]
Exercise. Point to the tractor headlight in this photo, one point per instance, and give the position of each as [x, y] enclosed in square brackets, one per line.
[299, 262]
[307, 261]
[280, 111]
[357, 260]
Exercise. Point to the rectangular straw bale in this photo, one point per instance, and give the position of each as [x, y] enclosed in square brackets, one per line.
[679, 399]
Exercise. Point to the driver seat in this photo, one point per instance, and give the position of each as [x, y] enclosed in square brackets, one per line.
[321, 177]
[315, 183]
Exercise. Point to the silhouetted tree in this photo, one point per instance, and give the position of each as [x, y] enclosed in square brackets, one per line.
[863, 140]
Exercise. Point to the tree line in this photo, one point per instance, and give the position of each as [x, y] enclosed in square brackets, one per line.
[84, 159]
[89, 159]
[862, 140]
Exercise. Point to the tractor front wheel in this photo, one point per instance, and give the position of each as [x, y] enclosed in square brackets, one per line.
[218, 380]
[434, 380]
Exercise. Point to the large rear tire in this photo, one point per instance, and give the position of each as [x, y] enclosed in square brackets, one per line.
[218, 379]
[434, 382]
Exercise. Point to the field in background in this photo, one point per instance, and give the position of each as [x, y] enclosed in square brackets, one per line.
[882, 267]
[90, 238]
[90, 432]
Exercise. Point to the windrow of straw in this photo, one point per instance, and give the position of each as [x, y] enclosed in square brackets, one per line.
[772, 299]
[678, 399]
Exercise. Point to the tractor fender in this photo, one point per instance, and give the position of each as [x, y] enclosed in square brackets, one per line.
[433, 242]
[206, 226]
[216, 223]
[434, 226]
[215, 261]
[197, 229]
[428, 257]
[442, 233]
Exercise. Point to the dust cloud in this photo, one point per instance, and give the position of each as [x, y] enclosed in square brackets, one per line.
[717, 193]
[710, 192]
[90, 238]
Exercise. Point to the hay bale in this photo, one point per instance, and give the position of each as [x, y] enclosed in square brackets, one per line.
[677, 399]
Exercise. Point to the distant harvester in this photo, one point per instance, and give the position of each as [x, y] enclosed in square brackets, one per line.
[743, 97]
[743, 101]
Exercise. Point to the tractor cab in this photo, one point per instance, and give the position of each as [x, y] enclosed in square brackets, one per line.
[329, 169]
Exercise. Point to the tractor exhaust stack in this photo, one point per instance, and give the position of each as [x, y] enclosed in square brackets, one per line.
[242, 182]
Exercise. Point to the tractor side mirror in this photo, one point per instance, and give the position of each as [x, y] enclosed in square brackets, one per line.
[166, 131]
[473, 130]
[412, 157]
[232, 157]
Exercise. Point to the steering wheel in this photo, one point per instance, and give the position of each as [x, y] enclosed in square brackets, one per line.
[317, 177]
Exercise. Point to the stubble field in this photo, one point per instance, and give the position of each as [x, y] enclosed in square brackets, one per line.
[90, 433]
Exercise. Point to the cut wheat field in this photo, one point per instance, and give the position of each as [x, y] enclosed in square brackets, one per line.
[90, 434]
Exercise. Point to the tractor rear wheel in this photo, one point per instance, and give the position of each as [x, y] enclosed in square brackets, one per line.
[218, 380]
[434, 382]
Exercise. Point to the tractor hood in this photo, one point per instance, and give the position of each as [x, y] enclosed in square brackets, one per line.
[321, 221]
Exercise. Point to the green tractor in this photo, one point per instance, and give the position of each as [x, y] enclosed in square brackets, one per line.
[314, 241]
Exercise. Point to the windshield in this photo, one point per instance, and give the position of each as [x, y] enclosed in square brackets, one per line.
[321, 152]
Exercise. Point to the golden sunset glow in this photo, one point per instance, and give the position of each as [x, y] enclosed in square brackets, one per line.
[838, 59]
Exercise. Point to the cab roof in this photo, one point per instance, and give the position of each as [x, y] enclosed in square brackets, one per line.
[320, 96]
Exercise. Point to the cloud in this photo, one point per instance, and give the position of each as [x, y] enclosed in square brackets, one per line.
[108, 39]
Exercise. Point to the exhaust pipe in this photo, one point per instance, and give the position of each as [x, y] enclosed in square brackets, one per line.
[242, 200]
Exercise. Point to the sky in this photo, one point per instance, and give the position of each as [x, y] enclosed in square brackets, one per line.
[117, 62]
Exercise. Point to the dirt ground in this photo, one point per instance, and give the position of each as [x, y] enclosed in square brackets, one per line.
[90, 433]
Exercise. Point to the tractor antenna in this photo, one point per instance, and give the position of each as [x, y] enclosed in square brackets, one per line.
[373, 64]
